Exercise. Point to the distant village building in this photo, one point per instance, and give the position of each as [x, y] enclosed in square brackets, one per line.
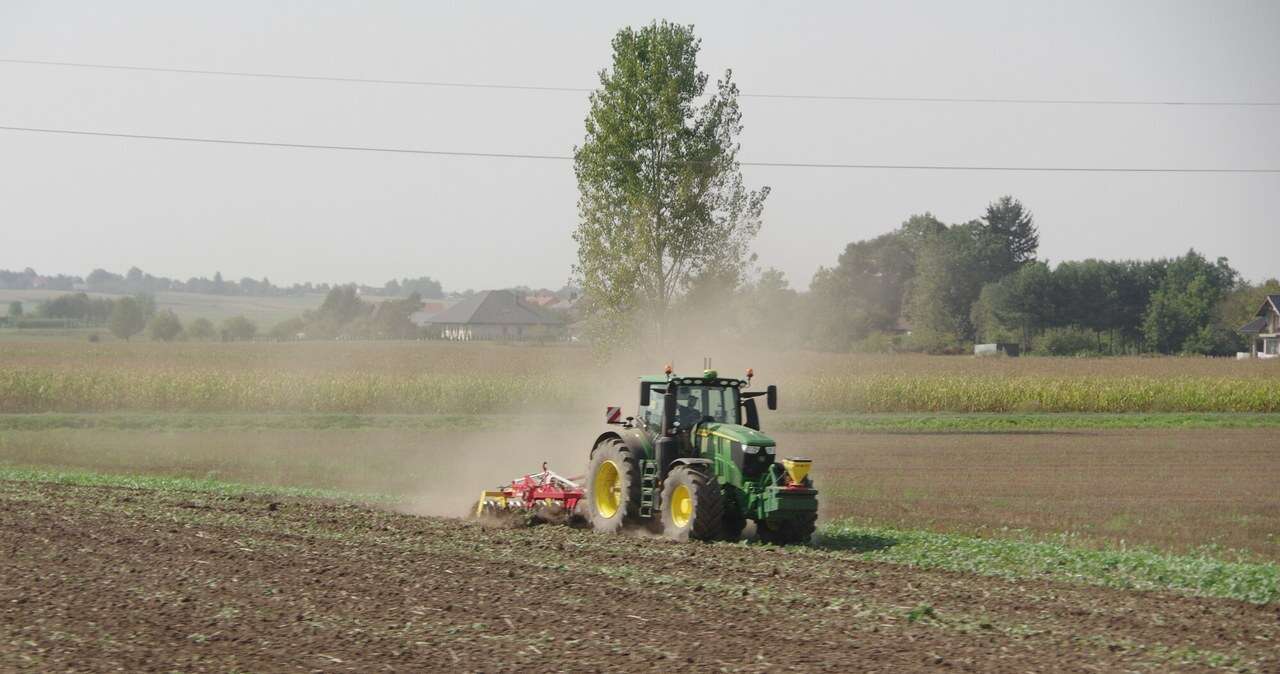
[422, 317]
[1263, 332]
[494, 314]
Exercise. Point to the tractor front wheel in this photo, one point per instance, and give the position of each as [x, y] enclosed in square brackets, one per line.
[613, 486]
[692, 505]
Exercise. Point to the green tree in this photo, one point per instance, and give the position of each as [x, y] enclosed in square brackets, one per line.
[865, 293]
[164, 326]
[126, 318]
[15, 309]
[875, 273]
[770, 311]
[1012, 228]
[238, 329]
[390, 319]
[661, 196]
[950, 273]
[1024, 299]
[987, 326]
[1242, 303]
[343, 305]
[1182, 314]
[147, 303]
[201, 328]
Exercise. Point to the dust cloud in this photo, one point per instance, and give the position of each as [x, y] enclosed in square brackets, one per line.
[458, 466]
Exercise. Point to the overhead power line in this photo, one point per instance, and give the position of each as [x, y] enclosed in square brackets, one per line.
[747, 94]
[565, 157]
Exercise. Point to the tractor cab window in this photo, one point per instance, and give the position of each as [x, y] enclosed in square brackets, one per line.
[696, 404]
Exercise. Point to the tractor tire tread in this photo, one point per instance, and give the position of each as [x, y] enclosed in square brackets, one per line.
[708, 505]
[629, 469]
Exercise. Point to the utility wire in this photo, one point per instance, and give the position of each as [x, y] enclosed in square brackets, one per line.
[563, 157]
[531, 87]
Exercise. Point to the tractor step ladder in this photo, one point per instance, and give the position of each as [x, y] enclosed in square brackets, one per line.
[648, 486]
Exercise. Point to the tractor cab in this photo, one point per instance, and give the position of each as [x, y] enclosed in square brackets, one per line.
[701, 400]
[706, 399]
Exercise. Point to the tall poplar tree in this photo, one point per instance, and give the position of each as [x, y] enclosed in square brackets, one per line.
[661, 195]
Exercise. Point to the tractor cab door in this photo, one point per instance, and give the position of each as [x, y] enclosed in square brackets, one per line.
[650, 416]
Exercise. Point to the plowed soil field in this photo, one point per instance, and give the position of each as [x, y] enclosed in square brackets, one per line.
[112, 579]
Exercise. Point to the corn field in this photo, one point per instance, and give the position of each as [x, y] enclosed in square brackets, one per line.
[28, 390]
[922, 393]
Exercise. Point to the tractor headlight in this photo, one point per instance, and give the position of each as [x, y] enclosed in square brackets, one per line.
[770, 450]
[750, 449]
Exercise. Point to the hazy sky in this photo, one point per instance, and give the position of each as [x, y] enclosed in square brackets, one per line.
[69, 204]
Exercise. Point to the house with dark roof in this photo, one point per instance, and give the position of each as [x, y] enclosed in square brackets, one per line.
[1263, 332]
[494, 314]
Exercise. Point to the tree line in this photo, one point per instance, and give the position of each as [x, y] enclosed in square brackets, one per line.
[128, 317]
[344, 315]
[980, 281]
[137, 281]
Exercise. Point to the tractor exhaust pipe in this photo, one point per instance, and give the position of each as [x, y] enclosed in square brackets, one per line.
[669, 409]
[666, 447]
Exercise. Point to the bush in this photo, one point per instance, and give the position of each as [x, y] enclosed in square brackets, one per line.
[1212, 340]
[127, 318]
[876, 342]
[201, 328]
[238, 329]
[288, 330]
[164, 326]
[1067, 342]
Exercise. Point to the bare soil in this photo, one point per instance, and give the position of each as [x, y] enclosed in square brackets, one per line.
[103, 579]
[1173, 489]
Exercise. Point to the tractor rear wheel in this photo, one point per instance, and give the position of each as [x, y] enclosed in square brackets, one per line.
[692, 505]
[613, 486]
[789, 531]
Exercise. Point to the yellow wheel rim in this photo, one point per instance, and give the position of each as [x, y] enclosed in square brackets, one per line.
[607, 489]
[681, 506]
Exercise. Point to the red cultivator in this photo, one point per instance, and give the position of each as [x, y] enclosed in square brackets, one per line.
[541, 490]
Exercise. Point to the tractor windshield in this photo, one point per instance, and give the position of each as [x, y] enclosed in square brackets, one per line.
[694, 404]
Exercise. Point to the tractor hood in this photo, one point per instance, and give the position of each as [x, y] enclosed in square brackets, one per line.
[736, 433]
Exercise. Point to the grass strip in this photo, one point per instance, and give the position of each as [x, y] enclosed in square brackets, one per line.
[1204, 573]
[840, 423]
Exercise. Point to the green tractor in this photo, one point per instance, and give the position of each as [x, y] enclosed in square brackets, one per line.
[693, 464]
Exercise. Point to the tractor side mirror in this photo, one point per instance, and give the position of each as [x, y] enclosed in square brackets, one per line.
[753, 414]
[668, 409]
[644, 394]
[772, 397]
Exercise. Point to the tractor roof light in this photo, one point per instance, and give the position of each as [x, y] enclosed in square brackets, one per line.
[667, 370]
